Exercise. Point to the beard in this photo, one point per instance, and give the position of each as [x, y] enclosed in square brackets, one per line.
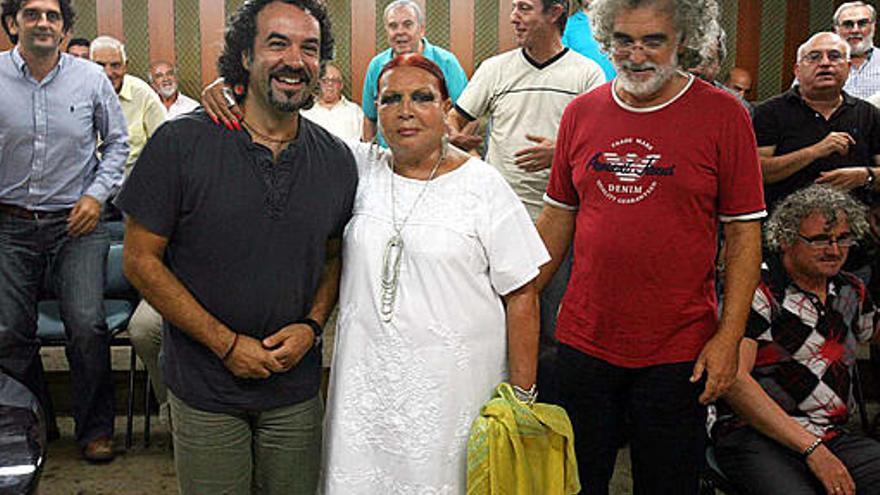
[863, 46]
[662, 74]
[291, 101]
[168, 91]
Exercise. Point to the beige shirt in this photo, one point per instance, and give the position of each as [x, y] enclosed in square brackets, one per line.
[144, 112]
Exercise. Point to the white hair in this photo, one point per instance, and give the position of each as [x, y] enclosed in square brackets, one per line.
[836, 37]
[850, 5]
[107, 42]
[420, 15]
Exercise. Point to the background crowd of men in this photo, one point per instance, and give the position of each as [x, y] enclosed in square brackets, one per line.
[629, 184]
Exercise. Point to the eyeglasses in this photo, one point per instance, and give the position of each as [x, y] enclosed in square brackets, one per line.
[330, 80]
[34, 15]
[823, 241]
[816, 56]
[623, 45]
[851, 24]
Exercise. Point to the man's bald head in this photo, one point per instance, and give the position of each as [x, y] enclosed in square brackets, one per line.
[740, 81]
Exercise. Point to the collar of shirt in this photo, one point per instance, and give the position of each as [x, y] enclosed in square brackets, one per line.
[125, 90]
[780, 280]
[795, 94]
[22, 67]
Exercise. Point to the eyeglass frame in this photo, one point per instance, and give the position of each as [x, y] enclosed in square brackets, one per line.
[33, 16]
[650, 44]
[823, 241]
[329, 80]
[861, 23]
[814, 57]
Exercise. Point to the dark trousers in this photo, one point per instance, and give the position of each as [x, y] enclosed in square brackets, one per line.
[76, 265]
[756, 464]
[655, 408]
[551, 297]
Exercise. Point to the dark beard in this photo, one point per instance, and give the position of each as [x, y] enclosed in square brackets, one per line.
[289, 105]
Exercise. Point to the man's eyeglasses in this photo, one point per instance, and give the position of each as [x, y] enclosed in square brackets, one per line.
[816, 56]
[34, 15]
[624, 45]
[852, 24]
[330, 80]
[823, 241]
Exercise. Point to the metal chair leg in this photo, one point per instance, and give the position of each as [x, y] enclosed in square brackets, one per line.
[129, 426]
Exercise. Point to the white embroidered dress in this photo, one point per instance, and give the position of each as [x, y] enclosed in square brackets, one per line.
[403, 394]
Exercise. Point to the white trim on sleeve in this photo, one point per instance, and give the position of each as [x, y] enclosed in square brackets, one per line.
[552, 202]
[746, 217]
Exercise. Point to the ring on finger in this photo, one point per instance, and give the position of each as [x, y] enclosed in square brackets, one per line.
[227, 95]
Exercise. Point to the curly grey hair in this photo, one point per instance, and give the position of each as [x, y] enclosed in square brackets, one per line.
[849, 5]
[695, 20]
[784, 224]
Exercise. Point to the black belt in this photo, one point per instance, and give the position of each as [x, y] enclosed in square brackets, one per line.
[19, 212]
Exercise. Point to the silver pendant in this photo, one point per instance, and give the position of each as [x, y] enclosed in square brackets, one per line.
[390, 277]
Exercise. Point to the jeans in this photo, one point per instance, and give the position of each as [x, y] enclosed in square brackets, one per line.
[275, 452]
[758, 465]
[34, 253]
[654, 407]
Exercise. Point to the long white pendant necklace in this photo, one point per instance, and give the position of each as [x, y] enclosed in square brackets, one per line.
[394, 247]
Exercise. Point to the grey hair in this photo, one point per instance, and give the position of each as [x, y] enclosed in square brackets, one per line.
[420, 15]
[850, 5]
[803, 48]
[157, 62]
[835, 205]
[107, 42]
[695, 20]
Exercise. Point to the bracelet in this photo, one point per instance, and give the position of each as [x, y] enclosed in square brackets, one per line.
[813, 446]
[872, 177]
[528, 396]
[314, 325]
[229, 351]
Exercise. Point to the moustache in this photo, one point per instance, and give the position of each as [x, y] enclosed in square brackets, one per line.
[629, 65]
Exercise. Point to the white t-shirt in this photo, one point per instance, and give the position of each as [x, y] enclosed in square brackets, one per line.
[403, 394]
[523, 97]
[345, 119]
[183, 104]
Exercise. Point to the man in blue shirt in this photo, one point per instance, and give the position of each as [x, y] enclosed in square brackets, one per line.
[579, 37]
[52, 188]
[405, 28]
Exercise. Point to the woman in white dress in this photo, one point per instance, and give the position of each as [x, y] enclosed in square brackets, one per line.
[437, 300]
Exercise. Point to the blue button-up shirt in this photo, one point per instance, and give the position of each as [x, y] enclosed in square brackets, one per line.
[864, 81]
[49, 131]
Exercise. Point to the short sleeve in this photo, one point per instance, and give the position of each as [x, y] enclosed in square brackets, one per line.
[368, 97]
[456, 79]
[766, 125]
[740, 183]
[561, 192]
[513, 246]
[760, 316]
[152, 193]
[474, 101]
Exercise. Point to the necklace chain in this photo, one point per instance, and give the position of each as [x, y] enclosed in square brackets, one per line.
[251, 128]
[394, 247]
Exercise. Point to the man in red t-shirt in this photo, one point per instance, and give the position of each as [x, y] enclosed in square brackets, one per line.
[645, 168]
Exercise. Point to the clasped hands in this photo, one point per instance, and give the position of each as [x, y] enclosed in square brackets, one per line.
[277, 353]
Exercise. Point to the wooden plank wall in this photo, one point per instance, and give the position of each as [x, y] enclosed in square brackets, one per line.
[748, 49]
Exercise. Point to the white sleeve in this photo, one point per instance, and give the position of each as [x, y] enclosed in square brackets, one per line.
[513, 247]
[474, 100]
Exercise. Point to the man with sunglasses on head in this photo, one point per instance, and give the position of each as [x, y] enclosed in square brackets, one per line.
[855, 23]
[782, 425]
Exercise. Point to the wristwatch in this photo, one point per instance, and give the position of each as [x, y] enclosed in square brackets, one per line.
[315, 326]
[872, 177]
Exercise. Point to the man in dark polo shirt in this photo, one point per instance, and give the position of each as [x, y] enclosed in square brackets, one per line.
[815, 132]
[233, 236]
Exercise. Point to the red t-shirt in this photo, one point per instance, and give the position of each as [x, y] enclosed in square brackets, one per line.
[650, 186]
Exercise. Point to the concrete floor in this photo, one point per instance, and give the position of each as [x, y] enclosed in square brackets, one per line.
[150, 471]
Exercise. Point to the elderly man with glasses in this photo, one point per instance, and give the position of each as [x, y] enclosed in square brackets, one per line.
[332, 110]
[781, 427]
[855, 23]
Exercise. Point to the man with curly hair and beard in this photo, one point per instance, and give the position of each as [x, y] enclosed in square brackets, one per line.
[791, 395]
[234, 236]
[641, 348]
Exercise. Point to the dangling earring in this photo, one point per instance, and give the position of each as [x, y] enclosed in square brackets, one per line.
[238, 89]
[444, 145]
